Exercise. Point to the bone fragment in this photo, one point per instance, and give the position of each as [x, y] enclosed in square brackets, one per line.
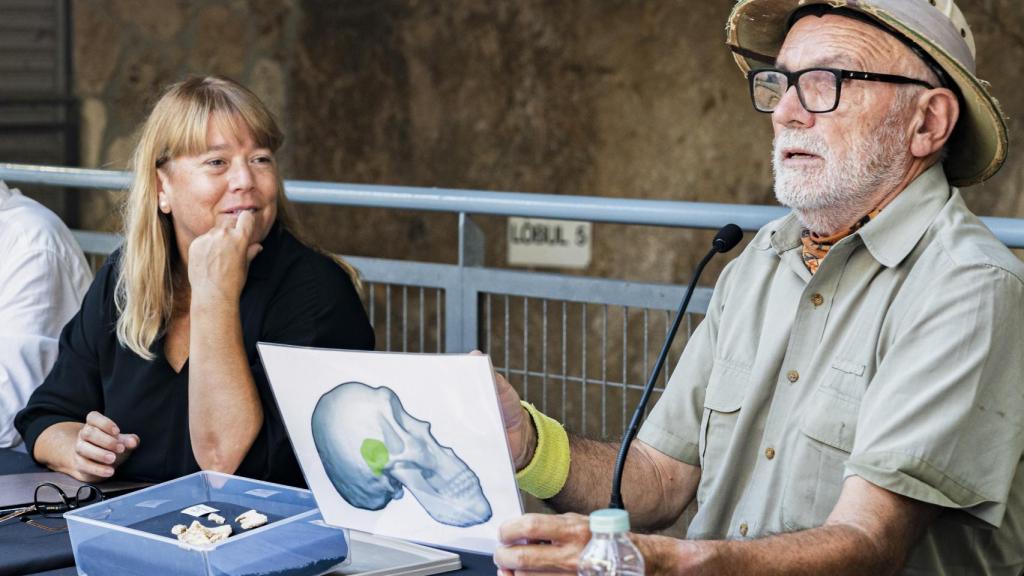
[199, 535]
[251, 519]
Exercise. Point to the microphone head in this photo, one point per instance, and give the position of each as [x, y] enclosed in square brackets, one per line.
[727, 238]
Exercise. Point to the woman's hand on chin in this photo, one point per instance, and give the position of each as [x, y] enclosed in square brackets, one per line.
[218, 261]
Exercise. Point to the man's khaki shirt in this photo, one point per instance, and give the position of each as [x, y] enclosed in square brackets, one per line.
[900, 361]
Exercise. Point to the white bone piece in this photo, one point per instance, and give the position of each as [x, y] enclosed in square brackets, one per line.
[251, 519]
[219, 533]
[215, 518]
[178, 529]
[195, 534]
[199, 535]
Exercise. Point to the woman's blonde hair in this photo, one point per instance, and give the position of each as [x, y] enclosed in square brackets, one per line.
[176, 127]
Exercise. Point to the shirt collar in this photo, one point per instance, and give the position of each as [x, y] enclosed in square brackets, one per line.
[6, 193]
[891, 235]
[784, 234]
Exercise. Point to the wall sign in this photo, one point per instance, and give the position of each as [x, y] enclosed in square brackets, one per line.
[553, 243]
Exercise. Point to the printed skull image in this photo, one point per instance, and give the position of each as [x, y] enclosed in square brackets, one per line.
[372, 449]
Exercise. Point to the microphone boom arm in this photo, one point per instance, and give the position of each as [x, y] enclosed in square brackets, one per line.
[725, 240]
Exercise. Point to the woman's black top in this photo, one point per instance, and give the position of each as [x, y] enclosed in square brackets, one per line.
[293, 295]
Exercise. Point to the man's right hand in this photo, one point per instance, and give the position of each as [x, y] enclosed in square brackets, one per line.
[100, 448]
[522, 437]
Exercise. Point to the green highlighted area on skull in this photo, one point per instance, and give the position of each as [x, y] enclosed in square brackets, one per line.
[375, 453]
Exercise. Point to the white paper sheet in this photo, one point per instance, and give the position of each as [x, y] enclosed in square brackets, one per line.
[370, 426]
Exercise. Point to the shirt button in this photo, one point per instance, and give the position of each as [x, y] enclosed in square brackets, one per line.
[817, 300]
[743, 529]
[769, 453]
[792, 375]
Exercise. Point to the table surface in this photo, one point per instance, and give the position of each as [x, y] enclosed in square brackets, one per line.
[471, 564]
[12, 462]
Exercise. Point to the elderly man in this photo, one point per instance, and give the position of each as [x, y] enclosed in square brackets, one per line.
[853, 402]
[43, 278]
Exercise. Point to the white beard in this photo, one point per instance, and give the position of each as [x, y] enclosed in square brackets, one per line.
[829, 198]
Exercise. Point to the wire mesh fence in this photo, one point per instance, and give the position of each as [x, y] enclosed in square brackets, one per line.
[585, 363]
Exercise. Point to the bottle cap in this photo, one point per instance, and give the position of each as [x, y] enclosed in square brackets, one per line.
[609, 520]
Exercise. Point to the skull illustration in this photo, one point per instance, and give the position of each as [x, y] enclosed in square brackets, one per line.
[372, 448]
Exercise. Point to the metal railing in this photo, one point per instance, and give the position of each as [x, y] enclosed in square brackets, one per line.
[578, 347]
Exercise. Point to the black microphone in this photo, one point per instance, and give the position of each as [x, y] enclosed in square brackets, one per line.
[726, 239]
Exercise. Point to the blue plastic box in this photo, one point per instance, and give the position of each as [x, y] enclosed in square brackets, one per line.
[131, 534]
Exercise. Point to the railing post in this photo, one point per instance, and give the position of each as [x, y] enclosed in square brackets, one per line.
[461, 313]
[471, 242]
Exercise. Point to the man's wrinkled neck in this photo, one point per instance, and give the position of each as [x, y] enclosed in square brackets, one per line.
[881, 198]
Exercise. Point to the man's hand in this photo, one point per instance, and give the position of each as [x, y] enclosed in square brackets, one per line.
[542, 543]
[218, 261]
[522, 437]
[100, 448]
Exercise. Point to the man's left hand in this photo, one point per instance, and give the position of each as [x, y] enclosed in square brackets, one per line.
[552, 544]
[542, 543]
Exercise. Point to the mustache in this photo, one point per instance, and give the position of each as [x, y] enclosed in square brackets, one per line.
[799, 139]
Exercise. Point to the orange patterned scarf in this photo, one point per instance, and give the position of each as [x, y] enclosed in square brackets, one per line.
[816, 247]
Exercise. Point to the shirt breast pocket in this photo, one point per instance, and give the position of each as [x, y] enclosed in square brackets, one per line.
[846, 379]
[723, 398]
[828, 429]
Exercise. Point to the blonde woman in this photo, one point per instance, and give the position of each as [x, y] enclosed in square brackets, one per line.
[157, 375]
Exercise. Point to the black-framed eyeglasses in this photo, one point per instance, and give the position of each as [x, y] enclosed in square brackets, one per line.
[818, 88]
[50, 501]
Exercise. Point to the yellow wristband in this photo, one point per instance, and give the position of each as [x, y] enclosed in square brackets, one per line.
[546, 474]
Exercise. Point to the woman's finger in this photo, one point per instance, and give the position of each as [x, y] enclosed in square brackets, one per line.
[253, 251]
[245, 224]
[95, 469]
[95, 436]
[92, 452]
[130, 441]
[97, 420]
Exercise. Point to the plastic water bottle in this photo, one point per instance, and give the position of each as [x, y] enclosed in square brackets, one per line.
[610, 551]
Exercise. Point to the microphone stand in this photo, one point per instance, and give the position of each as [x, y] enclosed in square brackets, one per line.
[725, 240]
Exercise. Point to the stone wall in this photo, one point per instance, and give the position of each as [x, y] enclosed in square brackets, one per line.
[127, 51]
[621, 99]
[618, 98]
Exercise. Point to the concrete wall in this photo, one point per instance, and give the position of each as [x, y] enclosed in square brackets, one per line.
[614, 98]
